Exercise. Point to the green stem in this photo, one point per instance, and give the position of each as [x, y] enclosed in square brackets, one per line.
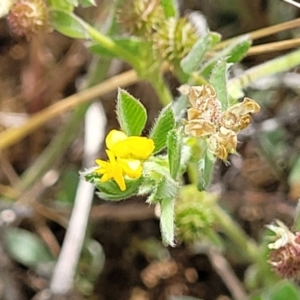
[110, 45]
[274, 66]
[161, 89]
[245, 245]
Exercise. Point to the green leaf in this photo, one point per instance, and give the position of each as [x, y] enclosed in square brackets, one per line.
[132, 45]
[164, 123]
[89, 267]
[26, 248]
[72, 2]
[167, 221]
[170, 8]
[283, 290]
[174, 152]
[110, 190]
[192, 62]
[218, 80]
[132, 115]
[234, 52]
[164, 187]
[69, 24]
[69, 182]
[167, 188]
[205, 170]
[61, 5]
[239, 51]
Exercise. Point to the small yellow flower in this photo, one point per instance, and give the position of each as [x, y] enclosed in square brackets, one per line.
[133, 147]
[111, 170]
[125, 157]
[131, 167]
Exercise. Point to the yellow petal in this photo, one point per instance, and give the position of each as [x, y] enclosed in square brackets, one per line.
[111, 156]
[134, 147]
[111, 170]
[140, 147]
[114, 137]
[131, 167]
[119, 178]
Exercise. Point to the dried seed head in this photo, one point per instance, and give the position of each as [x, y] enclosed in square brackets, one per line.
[28, 17]
[285, 251]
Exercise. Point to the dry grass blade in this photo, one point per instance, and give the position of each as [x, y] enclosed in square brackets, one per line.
[275, 46]
[13, 135]
[263, 32]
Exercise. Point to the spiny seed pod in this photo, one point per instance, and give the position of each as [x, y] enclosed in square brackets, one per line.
[175, 38]
[141, 17]
[28, 17]
[193, 214]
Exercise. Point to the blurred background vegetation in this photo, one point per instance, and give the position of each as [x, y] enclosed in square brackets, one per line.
[123, 257]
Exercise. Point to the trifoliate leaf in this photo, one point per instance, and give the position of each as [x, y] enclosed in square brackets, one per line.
[163, 124]
[131, 114]
[27, 248]
[174, 152]
[218, 80]
[167, 221]
[192, 62]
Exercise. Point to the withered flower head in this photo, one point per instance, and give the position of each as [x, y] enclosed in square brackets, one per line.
[199, 127]
[204, 102]
[245, 107]
[222, 143]
[285, 251]
[205, 119]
